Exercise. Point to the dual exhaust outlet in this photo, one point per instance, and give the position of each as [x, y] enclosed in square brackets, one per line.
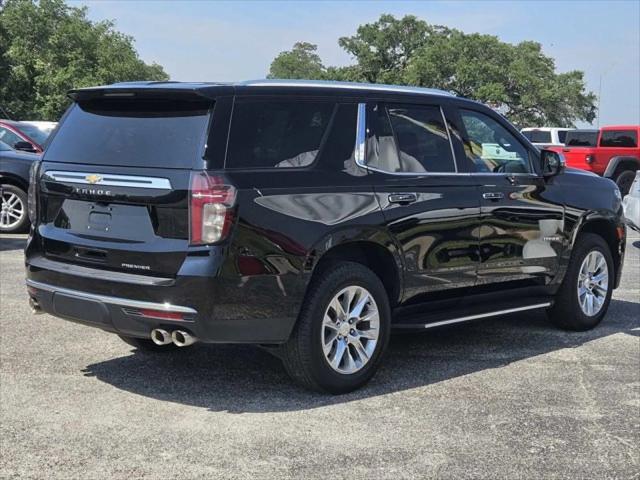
[179, 337]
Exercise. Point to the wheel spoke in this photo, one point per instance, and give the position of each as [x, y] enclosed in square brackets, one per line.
[369, 334]
[356, 312]
[362, 353]
[337, 357]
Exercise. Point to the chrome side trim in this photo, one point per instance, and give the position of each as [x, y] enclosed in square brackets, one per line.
[122, 302]
[361, 135]
[109, 179]
[473, 317]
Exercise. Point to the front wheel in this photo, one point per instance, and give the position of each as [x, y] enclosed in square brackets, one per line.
[583, 299]
[342, 331]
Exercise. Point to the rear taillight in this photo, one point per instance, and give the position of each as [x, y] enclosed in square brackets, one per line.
[32, 193]
[211, 208]
[589, 158]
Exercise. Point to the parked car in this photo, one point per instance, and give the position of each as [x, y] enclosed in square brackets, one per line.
[611, 152]
[631, 204]
[310, 218]
[545, 136]
[23, 136]
[14, 182]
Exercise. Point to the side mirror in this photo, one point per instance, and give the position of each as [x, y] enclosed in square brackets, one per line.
[553, 163]
[24, 147]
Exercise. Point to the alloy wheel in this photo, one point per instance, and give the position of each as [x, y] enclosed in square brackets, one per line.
[593, 283]
[350, 330]
[12, 210]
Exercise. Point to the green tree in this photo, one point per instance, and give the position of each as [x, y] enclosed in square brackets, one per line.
[518, 80]
[48, 48]
[302, 61]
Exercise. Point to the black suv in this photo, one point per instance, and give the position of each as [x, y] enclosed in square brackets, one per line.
[311, 218]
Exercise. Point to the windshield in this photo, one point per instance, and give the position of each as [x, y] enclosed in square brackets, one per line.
[132, 132]
[585, 138]
[33, 132]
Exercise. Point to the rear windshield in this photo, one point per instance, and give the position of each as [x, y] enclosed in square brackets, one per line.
[126, 132]
[578, 138]
[538, 136]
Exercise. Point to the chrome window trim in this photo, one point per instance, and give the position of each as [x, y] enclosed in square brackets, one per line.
[122, 302]
[109, 179]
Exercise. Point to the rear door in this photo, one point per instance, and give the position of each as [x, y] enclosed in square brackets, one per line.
[431, 210]
[522, 221]
[115, 180]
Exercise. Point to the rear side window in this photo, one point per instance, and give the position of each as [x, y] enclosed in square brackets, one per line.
[132, 132]
[423, 142]
[583, 138]
[277, 134]
[619, 138]
[538, 136]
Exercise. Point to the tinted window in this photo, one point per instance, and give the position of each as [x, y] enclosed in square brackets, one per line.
[619, 138]
[422, 138]
[581, 138]
[338, 151]
[538, 136]
[491, 147]
[381, 146]
[562, 135]
[282, 134]
[149, 133]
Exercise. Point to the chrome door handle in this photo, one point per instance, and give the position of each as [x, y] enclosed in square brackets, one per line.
[493, 195]
[402, 198]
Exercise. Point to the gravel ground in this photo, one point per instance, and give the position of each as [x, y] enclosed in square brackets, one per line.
[510, 397]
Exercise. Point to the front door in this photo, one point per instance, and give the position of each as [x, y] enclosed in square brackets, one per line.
[522, 224]
[431, 211]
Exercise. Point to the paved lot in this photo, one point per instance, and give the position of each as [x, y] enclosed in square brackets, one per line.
[503, 398]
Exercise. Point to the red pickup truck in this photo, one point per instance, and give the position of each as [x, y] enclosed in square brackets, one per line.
[610, 152]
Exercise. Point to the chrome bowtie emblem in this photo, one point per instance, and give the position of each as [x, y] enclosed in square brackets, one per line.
[93, 178]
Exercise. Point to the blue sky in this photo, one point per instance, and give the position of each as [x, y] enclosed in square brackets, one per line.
[200, 40]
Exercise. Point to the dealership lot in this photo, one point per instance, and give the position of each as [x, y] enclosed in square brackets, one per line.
[507, 397]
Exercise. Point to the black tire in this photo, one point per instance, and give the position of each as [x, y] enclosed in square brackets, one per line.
[23, 223]
[566, 312]
[147, 345]
[303, 356]
[624, 180]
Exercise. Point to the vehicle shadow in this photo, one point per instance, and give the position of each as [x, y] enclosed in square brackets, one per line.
[242, 378]
[12, 243]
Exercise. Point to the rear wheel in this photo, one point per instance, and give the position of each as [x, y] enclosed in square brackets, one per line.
[13, 210]
[583, 298]
[342, 330]
[624, 180]
[147, 344]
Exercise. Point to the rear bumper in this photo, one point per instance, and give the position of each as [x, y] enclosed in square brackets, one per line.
[214, 309]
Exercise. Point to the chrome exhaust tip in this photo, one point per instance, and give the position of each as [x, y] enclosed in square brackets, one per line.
[182, 338]
[160, 337]
[35, 306]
